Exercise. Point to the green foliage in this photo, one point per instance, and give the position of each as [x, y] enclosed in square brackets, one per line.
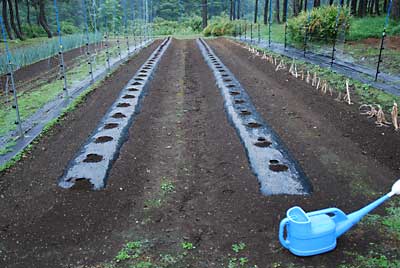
[167, 187]
[132, 250]
[392, 220]
[33, 31]
[68, 28]
[372, 260]
[238, 247]
[220, 26]
[189, 25]
[370, 27]
[187, 245]
[319, 23]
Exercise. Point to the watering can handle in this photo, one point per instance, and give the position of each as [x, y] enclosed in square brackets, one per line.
[282, 227]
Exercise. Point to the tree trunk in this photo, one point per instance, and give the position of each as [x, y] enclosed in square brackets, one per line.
[234, 10]
[204, 14]
[28, 12]
[266, 12]
[330, 2]
[317, 3]
[385, 2]
[231, 10]
[362, 8]
[18, 17]
[353, 7]
[278, 17]
[255, 11]
[395, 12]
[12, 21]
[6, 22]
[238, 10]
[42, 19]
[305, 5]
[285, 10]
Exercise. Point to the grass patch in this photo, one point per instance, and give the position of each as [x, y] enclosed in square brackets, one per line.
[370, 27]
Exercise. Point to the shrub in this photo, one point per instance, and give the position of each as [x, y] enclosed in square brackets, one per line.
[33, 31]
[320, 24]
[68, 27]
[220, 26]
[194, 23]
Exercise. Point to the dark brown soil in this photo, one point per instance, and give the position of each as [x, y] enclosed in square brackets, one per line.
[182, 135]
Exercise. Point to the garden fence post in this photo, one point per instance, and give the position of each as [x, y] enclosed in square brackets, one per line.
[336, 32]
[286, 23]
[259, 33]
[10, 77]
[61, 53]
[269, 23]
[87, 42]
[383, 40]
[251, 33]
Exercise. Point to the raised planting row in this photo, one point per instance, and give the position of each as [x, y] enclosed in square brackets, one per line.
[277, 171]
[96, 157]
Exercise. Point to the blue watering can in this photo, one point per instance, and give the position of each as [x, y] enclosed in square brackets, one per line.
[316, 232]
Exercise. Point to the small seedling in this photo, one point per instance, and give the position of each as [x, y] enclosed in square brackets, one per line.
[187, 245]
[122, 255]
[167, 187]
[243, 261]
[238, 247]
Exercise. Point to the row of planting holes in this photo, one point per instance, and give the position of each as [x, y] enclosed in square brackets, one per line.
[93, 158]
[274, 165]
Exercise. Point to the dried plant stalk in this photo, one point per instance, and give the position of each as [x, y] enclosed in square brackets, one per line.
[395, 113]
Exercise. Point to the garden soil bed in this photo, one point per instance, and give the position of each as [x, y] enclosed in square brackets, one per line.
[182, 135]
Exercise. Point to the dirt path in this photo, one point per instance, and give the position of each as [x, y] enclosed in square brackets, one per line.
[183, 175]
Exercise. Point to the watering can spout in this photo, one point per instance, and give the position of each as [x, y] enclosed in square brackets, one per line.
[356, 216]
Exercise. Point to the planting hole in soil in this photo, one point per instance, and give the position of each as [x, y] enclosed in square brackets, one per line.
[263, 144]
[273, 161]
[139, 79]
[93, 158]
[278, 167]
[234, 93]
[142, 75]
[230, 86]
[133, 89]
[122, 105]
[253, 125]
[118, 115]
[245, 112]
[103, 139]
[239, 101]
[110, 126]
[129, 97]
[227, 80]
[136, 83]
